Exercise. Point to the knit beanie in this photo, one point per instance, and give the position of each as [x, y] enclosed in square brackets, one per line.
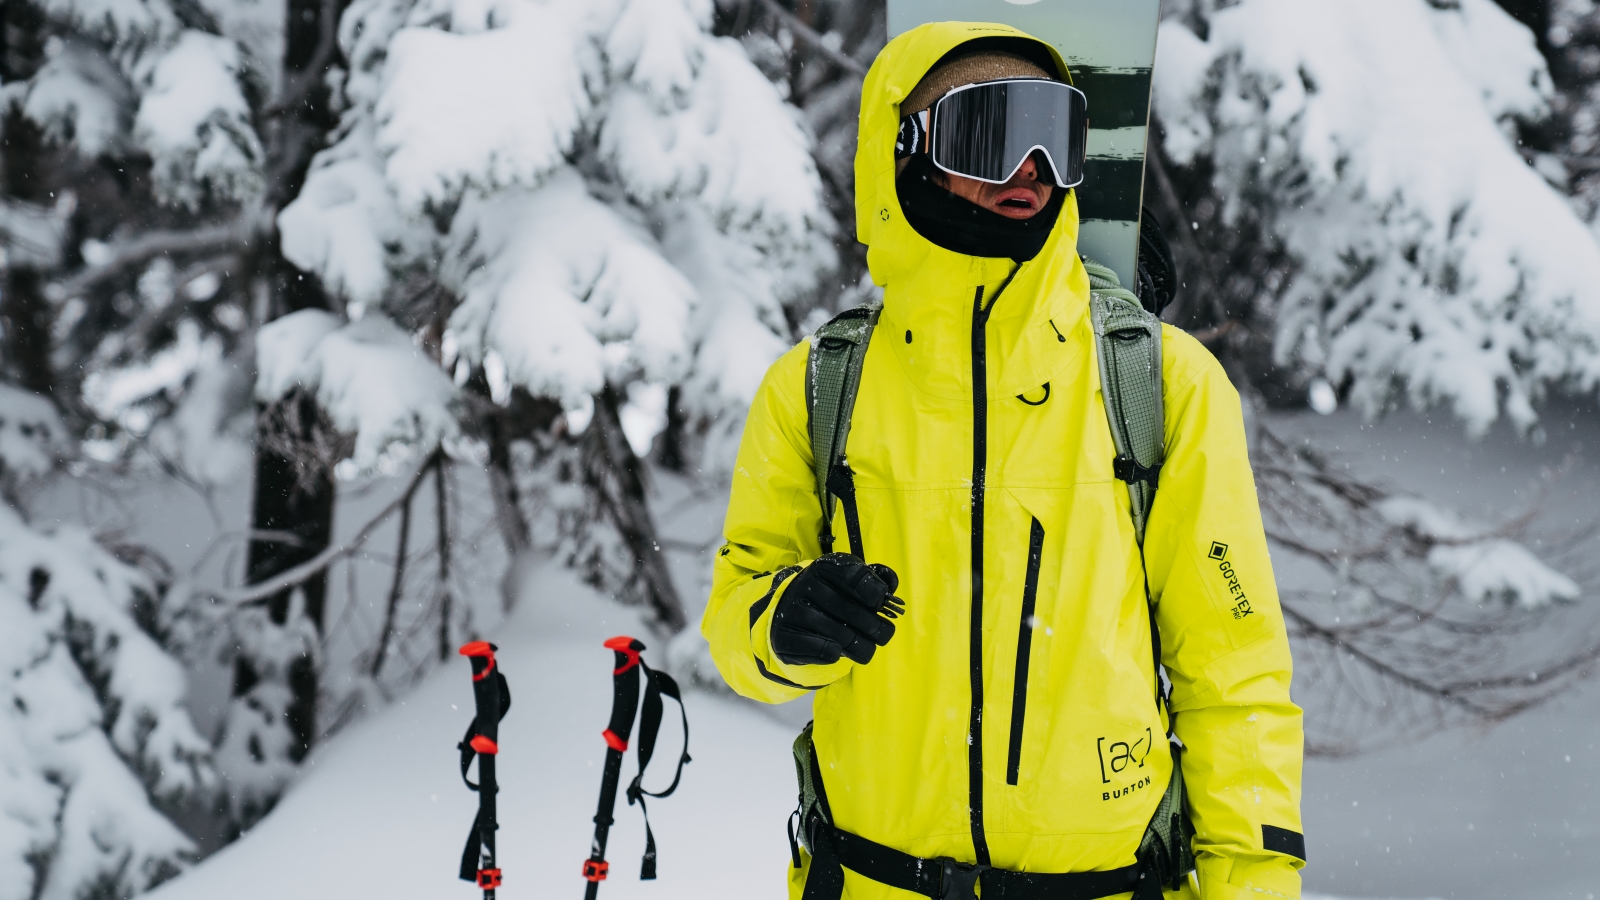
[973, 68]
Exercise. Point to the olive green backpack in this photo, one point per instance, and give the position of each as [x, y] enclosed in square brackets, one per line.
[1128, 338]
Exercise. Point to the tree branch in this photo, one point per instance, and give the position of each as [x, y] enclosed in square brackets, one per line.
[261, 592]
[398, 584]
[1443, 693]
[809, 35]
[296, 87]
[236, 235]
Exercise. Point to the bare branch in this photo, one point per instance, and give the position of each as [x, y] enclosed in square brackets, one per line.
[33, 233]
[127, 255]
[256, 594]
[1441, 692]
[441, 496]
[399, 571]
[810, 36]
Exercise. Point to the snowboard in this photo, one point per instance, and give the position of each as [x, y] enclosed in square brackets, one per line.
[1110, 47]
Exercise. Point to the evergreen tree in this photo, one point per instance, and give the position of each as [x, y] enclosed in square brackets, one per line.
[1397, 243]
[623, 210]
[95, 744]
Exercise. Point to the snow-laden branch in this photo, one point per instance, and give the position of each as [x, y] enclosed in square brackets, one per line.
[808, 34]
[1429, 263]
[125, 256]
[31, 234]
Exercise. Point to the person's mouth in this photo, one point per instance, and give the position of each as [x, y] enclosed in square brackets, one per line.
[1017, 202]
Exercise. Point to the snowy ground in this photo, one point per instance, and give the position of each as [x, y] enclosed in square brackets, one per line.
[1511, 813]
[1505, 814]
[382, 811]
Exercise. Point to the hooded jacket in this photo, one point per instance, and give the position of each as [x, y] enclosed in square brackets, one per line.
[1013, 719]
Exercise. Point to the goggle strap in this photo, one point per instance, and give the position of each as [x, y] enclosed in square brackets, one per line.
[913, 137]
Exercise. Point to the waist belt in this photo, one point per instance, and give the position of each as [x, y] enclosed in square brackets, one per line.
[944, 878]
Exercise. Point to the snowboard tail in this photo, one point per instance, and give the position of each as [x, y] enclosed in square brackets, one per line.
[1109, 46]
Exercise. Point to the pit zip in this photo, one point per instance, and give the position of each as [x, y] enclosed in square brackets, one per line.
[980, 460]
[1019, 690]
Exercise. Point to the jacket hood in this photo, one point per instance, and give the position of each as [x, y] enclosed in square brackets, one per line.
[892, 243]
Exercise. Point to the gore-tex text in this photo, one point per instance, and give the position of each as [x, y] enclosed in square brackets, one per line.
[1241, 606]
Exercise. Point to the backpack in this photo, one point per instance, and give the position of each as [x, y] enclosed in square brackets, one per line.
[1128, 341]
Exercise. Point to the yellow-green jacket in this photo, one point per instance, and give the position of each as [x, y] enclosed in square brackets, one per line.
[983, 465]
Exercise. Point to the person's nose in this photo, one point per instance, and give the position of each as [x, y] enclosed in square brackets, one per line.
[1029, 170]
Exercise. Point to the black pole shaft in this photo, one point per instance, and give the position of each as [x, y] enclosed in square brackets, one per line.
[624, 704]
[602, 815]
[487, 822]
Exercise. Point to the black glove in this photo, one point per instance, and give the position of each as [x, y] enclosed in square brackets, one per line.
[836, 606]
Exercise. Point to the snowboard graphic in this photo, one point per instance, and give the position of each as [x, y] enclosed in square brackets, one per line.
[1109, 45]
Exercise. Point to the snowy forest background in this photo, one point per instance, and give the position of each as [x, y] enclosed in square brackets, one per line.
[334, 333]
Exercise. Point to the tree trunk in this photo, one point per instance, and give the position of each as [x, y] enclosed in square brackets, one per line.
[294, 491]
[25, 314]
[616, 477]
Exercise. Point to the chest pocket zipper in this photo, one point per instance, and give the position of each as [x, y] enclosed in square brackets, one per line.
[1019, 696]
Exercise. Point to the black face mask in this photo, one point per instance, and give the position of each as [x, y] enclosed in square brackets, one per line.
[961, 226]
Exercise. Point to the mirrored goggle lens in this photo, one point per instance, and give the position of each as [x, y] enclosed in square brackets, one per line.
[985, 131]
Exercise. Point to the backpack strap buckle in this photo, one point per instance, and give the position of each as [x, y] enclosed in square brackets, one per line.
[958, 881]
[1127, 469]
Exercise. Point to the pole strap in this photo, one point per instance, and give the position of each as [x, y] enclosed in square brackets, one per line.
[492, 700]
[625, 703]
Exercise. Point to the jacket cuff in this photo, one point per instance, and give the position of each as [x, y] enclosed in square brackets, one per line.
[1266, 878]
[808, 678]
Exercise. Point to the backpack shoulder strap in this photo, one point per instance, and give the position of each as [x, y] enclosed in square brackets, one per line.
[833, 375]
[1128, 343]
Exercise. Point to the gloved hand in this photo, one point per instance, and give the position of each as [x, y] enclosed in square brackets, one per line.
[836, 606]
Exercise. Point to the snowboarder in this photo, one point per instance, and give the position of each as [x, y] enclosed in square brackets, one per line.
[1003, 724]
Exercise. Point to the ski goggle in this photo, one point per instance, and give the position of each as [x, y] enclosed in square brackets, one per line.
[985, 131]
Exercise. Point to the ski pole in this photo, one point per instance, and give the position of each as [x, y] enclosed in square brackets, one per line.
[492, 698]
[624, 702]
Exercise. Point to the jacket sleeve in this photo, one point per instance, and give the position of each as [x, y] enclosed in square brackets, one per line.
[1224, 643]
[770, 533]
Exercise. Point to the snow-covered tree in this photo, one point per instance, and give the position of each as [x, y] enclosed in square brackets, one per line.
[1422, 258]
[1358, 218]
[623, 208]
[128, 117]
[94, 740]
[817, 52]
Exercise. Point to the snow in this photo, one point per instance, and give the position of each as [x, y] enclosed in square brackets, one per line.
[549, 278]
[368, 376]
[131, 23]
[32, 437]
[116, 392]
[511, 99]
[1437, 266]
[92, 725]
[1475, 814]
[78, 93]
[211, 433]
[382, 812]
[1503, 571]
[1485, 567]
[342, 221]
[196, 124]
[623, 198]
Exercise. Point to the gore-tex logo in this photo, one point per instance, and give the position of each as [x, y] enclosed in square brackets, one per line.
[1241, 606]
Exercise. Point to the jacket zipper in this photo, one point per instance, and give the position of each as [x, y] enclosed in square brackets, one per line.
[980, 439]
[1019, 696]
